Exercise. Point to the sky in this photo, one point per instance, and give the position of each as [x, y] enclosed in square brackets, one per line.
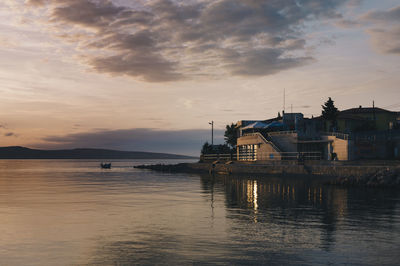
[150, 75]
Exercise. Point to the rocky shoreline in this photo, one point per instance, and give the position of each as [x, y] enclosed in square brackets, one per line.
[383, 178]
[342, 175]
[171, 168]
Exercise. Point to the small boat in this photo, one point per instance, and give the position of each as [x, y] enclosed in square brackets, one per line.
[105, 165]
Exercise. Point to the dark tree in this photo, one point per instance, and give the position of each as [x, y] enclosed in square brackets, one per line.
[279, 115]
[330, 112]
[206, 148]
[215, 149]
[231, 135]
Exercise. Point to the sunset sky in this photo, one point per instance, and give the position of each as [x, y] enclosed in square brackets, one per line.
[150, 75]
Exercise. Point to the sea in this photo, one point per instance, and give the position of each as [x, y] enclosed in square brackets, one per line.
[72, 212]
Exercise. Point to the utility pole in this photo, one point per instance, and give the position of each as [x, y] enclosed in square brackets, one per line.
[212, 132]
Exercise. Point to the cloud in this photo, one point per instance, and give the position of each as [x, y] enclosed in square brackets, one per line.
[384, 30]
[347, 23]
[389, 16]
[261, 62]
[10, 134]
[386, 41]
[35, 2]
[166, 40]
[170, 141]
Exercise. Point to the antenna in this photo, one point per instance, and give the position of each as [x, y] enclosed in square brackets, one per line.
[291, 108]
[284, 96]
[373, 109]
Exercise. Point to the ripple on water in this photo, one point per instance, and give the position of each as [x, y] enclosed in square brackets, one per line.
[65, 212]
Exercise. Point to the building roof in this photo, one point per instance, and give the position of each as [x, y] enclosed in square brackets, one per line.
[243, 123]
[257, 124]
[354, 113]
[275, 124]
[365, 110]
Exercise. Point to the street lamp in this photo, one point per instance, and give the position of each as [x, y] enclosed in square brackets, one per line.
[212, 132]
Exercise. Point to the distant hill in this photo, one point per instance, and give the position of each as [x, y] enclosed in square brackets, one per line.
[16, 152]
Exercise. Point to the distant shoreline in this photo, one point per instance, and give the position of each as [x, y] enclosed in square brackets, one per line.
[23, 153]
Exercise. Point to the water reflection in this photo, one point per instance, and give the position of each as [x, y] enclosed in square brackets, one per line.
[73, 213]
[304, 208]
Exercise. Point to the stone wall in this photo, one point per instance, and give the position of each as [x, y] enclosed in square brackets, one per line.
[271, 169]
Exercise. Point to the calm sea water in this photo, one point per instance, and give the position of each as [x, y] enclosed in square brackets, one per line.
[71, 212]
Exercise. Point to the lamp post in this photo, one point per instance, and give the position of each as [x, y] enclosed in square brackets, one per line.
[212, 132]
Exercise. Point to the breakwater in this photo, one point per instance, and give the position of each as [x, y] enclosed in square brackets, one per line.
[368, 175]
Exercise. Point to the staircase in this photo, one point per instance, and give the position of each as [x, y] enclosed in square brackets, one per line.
[286, 142]
[265, 139]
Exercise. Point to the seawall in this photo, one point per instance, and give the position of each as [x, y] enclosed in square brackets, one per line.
[369, 175]
[271, 169]
[260, 169]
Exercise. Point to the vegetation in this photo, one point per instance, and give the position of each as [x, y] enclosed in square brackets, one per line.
[215, 149]
[230, 135]
[330, 112]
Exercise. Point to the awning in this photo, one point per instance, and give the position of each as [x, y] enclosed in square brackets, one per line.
[255, 125]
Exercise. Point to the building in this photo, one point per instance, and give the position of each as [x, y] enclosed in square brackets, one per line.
[366, 119]
[357, 134]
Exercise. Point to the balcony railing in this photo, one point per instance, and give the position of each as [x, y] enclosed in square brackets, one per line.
[278, 133]
[337, 134]
[266, 156]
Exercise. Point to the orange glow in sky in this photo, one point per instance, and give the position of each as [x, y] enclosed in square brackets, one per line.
[72, 68]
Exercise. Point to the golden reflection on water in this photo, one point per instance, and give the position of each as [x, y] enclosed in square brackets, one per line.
[252, 196]
[255, 195]
[254, 189]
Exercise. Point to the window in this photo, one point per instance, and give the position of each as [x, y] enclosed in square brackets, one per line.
[248, 152]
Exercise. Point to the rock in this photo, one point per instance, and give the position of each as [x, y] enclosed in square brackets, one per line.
[385, 178]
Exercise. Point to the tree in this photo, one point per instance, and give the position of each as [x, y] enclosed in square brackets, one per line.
[329, 111]
[215, 149]
[206, 148]
[230, 135]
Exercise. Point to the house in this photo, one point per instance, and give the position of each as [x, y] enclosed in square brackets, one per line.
[364, 119]
[358, 133]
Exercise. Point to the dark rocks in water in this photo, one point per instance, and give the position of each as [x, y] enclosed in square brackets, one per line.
[173, 168]
[383, 178]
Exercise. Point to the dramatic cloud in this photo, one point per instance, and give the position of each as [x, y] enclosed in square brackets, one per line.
[385, 33]
[182, 141]
[165, 40]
